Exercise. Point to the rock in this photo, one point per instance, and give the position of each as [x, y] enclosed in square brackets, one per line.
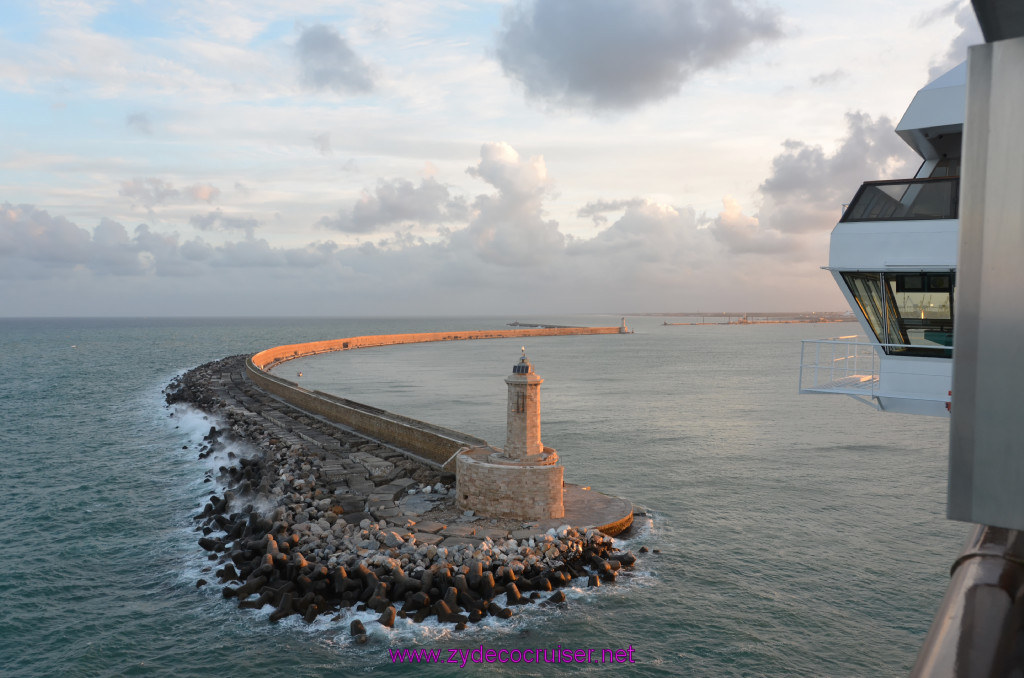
[513, 595]
[356, 628]
[387, 618]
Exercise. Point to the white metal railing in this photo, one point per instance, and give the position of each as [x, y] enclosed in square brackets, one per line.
[850, 364]
[839, 365]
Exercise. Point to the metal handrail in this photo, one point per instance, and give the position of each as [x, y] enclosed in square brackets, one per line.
[854, 370]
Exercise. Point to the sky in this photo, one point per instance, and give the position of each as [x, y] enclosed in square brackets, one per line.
[452, 157]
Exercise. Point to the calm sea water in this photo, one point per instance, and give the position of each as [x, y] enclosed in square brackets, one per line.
[799, 535]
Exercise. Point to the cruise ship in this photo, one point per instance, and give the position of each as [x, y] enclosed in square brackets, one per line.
[893, 255]
[899, 253]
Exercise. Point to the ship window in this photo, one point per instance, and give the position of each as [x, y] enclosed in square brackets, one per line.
[867, 290]
[924, 303]
[934, 198]
[911, 312]
[947, 167]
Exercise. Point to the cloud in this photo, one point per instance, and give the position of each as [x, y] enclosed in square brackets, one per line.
[622, 54]
[508, 227]
[742, 234]
[808, 186]
[40, 244]
[970, 34]
[153, 191]
[139, 122]
[829, 78]
[505, 253]
[326, 62]
[35, 244]
[201, 192]
[399, 200]
[647, 232]
[598, 209]
[218, 220]
[802, 198]
[322, 143]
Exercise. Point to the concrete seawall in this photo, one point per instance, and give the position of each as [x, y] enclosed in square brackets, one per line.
[433, 443]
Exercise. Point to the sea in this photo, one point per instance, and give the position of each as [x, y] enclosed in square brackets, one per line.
[787, 534]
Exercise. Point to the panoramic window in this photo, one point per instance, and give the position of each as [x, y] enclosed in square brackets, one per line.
[905, 199]
[913, 310]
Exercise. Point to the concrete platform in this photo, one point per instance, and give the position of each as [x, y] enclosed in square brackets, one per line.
[588, 508]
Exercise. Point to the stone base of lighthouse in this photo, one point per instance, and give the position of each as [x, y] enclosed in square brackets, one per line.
[492, 484]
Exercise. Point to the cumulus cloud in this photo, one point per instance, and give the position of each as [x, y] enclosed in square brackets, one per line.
[508, 227]
[647, 232]
[808, 186]
[804, 194]
[505, 253]
[621, 54]
[742, 234]
[969, 34]
[326, 62]
[399, 200]
[153, 191]
[34, 244]
[40, 243]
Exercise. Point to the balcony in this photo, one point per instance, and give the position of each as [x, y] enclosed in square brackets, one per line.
[839, 365]
[856, 367]
[905, 199]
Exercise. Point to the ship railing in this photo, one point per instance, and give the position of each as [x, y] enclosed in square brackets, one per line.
[839, 365]
[905, 199]
[851, 365]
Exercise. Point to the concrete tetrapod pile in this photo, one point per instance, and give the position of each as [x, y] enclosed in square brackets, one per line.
[336, 529]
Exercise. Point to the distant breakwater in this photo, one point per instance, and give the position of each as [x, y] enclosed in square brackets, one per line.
[435, 444]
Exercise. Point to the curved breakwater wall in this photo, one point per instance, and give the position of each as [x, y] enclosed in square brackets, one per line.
[433, 443]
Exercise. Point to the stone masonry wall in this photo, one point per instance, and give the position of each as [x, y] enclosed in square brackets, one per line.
[509, 491]
[273, 356]
[431, 442]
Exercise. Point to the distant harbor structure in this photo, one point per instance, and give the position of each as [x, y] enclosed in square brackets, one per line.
[523, 480]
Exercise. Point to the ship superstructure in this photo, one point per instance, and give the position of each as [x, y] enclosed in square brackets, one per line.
[893, 255]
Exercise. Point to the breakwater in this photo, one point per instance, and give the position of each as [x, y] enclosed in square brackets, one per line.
[346, 522]
[435, 444]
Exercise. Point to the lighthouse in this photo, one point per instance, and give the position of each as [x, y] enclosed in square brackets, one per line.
[523, 480]
[522, 438]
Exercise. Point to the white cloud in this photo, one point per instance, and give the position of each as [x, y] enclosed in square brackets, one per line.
[508, 227]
